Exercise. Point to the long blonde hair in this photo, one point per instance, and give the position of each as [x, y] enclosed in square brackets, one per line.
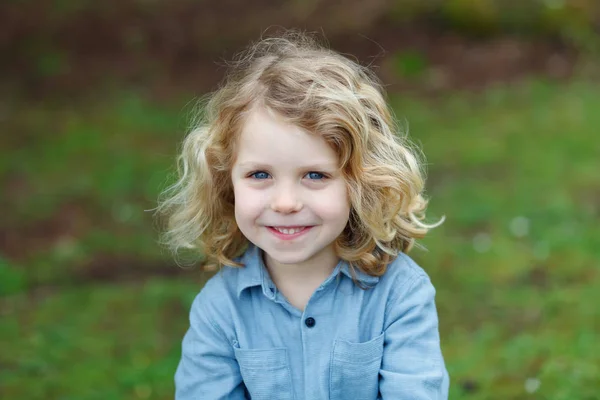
[326, 94]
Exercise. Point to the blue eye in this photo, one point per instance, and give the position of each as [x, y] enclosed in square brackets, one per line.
[260, 175]
[315, 175]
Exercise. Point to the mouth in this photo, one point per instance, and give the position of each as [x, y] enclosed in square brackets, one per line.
[288, 232]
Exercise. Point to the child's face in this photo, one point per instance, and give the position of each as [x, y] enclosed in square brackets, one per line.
[290, 197]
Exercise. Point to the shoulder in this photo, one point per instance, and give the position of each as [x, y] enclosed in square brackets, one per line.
[404, 276]
[218, 296]
[220, 287]
[215, 305]
[223, 281]
[410, 293]
[224, 288]
[403, 270]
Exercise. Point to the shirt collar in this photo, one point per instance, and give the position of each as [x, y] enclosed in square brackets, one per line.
[359, 275]
[251, 274]
[254, 273]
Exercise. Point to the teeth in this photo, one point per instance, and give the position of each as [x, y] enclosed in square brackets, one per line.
[288, 231]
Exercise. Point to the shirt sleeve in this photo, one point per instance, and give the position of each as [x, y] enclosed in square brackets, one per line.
[413, 366]
[208, 368]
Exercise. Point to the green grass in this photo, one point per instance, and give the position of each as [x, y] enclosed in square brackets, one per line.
[94, 342]
[516, 264]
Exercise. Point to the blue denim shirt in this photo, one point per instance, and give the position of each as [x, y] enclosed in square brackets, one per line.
[246, 341]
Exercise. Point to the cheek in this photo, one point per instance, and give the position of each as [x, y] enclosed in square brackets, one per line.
[248, 202]
[336, 205]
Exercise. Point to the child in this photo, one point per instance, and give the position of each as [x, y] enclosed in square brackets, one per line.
[297, 185]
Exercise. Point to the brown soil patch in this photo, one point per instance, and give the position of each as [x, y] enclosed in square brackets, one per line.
[179, 48]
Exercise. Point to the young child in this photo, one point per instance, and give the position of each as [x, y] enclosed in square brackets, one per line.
[298, 186]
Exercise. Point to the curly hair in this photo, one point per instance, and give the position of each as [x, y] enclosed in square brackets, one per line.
[322, 92]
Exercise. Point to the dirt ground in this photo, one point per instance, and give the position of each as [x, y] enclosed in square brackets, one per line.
[181, 47]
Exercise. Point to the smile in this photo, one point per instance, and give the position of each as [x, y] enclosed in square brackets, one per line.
[288, 232]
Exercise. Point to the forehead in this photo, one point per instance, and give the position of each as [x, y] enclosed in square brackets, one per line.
[265, 137]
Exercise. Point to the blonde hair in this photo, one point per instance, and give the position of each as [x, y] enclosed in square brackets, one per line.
[326, 94]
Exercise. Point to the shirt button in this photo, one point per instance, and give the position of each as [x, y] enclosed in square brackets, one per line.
[310, 322]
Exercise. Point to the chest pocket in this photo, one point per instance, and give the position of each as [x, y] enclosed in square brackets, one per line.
[354, 370]
[266, 373]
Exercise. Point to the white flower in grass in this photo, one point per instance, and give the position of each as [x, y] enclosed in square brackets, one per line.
[532, 385]
[519, 226]
[482, 242]
[122, 212]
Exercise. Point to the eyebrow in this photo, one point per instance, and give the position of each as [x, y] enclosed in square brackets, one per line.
[315, 166]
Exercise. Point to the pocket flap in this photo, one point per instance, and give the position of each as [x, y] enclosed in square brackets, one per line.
[358, 353]
[261, 358]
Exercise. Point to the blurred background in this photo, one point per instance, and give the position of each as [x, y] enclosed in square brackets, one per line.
[503, 96]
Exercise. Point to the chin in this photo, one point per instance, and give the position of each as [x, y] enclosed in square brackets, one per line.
[288, 257]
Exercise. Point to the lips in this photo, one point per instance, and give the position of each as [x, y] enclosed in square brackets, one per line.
[289, 230]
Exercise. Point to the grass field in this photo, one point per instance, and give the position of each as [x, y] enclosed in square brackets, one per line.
[91, 307]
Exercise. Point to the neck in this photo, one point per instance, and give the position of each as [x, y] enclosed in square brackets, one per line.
[307, 275]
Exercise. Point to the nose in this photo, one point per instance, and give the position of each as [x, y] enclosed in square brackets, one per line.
[285, 200]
